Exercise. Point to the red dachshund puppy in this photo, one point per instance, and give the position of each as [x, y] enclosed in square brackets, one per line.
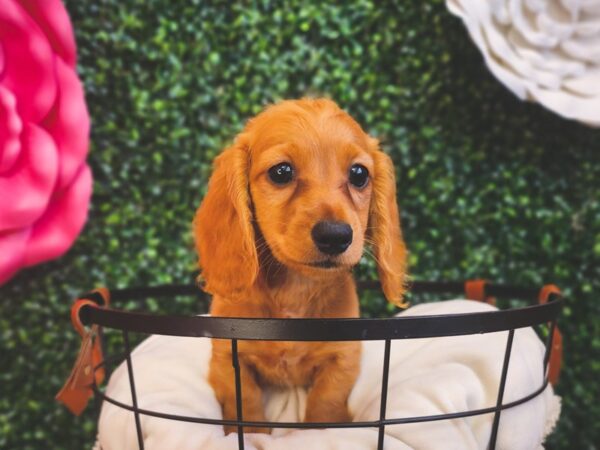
[289, 209]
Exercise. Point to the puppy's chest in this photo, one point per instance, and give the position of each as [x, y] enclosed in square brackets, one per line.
[282, 363]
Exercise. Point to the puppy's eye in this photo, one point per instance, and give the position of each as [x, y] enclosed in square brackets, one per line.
[281, 173]
[358, 176]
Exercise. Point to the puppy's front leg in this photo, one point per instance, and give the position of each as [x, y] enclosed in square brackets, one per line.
[328, 398]
[222, 378]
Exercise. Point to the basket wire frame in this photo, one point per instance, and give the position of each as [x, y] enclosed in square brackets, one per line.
[278, 330]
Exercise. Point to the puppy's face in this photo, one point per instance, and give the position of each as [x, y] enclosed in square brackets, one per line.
[310, 185]
[317, 187]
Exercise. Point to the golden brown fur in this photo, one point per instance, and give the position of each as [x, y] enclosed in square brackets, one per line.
[255, 249]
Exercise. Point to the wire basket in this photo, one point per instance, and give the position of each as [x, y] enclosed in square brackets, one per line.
[92, 309]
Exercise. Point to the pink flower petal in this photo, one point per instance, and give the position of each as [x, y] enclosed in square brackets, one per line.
[27, 187]
[53, 19]
[28, 62]
[54, 233]
[69, 123]
[13, 244]
[45, 185]
[10, 130]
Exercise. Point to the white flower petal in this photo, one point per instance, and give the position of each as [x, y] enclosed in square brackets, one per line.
[542, 50]
[587, 49]
[586, 85]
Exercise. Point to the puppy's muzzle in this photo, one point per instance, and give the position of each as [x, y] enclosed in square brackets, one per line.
[332, 238]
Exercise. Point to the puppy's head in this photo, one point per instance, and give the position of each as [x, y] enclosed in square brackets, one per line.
[314, 185]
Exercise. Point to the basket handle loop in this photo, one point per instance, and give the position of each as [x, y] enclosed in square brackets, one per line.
[475, 290]
[97, 298]
[556, 351]
[101, 298]
[76, 319]
[87, 369]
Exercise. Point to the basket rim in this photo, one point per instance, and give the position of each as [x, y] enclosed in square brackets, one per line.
[97, 312]
[331, 329]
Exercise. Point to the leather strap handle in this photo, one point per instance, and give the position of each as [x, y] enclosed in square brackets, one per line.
[475, 290]
[556, 351]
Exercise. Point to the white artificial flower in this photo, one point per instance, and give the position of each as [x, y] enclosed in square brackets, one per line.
[542, 50]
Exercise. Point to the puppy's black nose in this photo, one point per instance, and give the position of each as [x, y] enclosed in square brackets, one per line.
[332, 238]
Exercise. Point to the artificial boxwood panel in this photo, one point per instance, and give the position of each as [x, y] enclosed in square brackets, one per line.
[489, 186]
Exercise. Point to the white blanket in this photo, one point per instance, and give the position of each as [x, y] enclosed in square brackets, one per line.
[427, 376]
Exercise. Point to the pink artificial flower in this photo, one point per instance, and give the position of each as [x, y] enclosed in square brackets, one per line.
[45, 183]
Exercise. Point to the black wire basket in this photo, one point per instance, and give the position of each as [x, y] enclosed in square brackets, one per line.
[92, 309]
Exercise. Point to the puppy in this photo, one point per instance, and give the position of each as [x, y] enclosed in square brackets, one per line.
[289, 209]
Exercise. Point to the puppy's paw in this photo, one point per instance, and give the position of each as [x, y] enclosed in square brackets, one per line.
[322, 414]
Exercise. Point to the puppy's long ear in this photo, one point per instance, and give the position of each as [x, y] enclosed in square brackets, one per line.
[384, 229]
[223, 227]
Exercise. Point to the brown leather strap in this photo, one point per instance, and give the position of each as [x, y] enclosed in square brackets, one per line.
[75, 319]
[105, 294]
[556, 352]
[475, 290]
[87, 369]
[99, 297]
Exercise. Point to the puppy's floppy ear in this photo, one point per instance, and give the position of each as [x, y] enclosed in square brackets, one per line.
[384, 228]
[223, 229]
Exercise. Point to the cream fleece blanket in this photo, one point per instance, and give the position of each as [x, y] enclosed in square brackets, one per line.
[427, 376]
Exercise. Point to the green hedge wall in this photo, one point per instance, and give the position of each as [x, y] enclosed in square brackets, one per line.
[489, 186]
